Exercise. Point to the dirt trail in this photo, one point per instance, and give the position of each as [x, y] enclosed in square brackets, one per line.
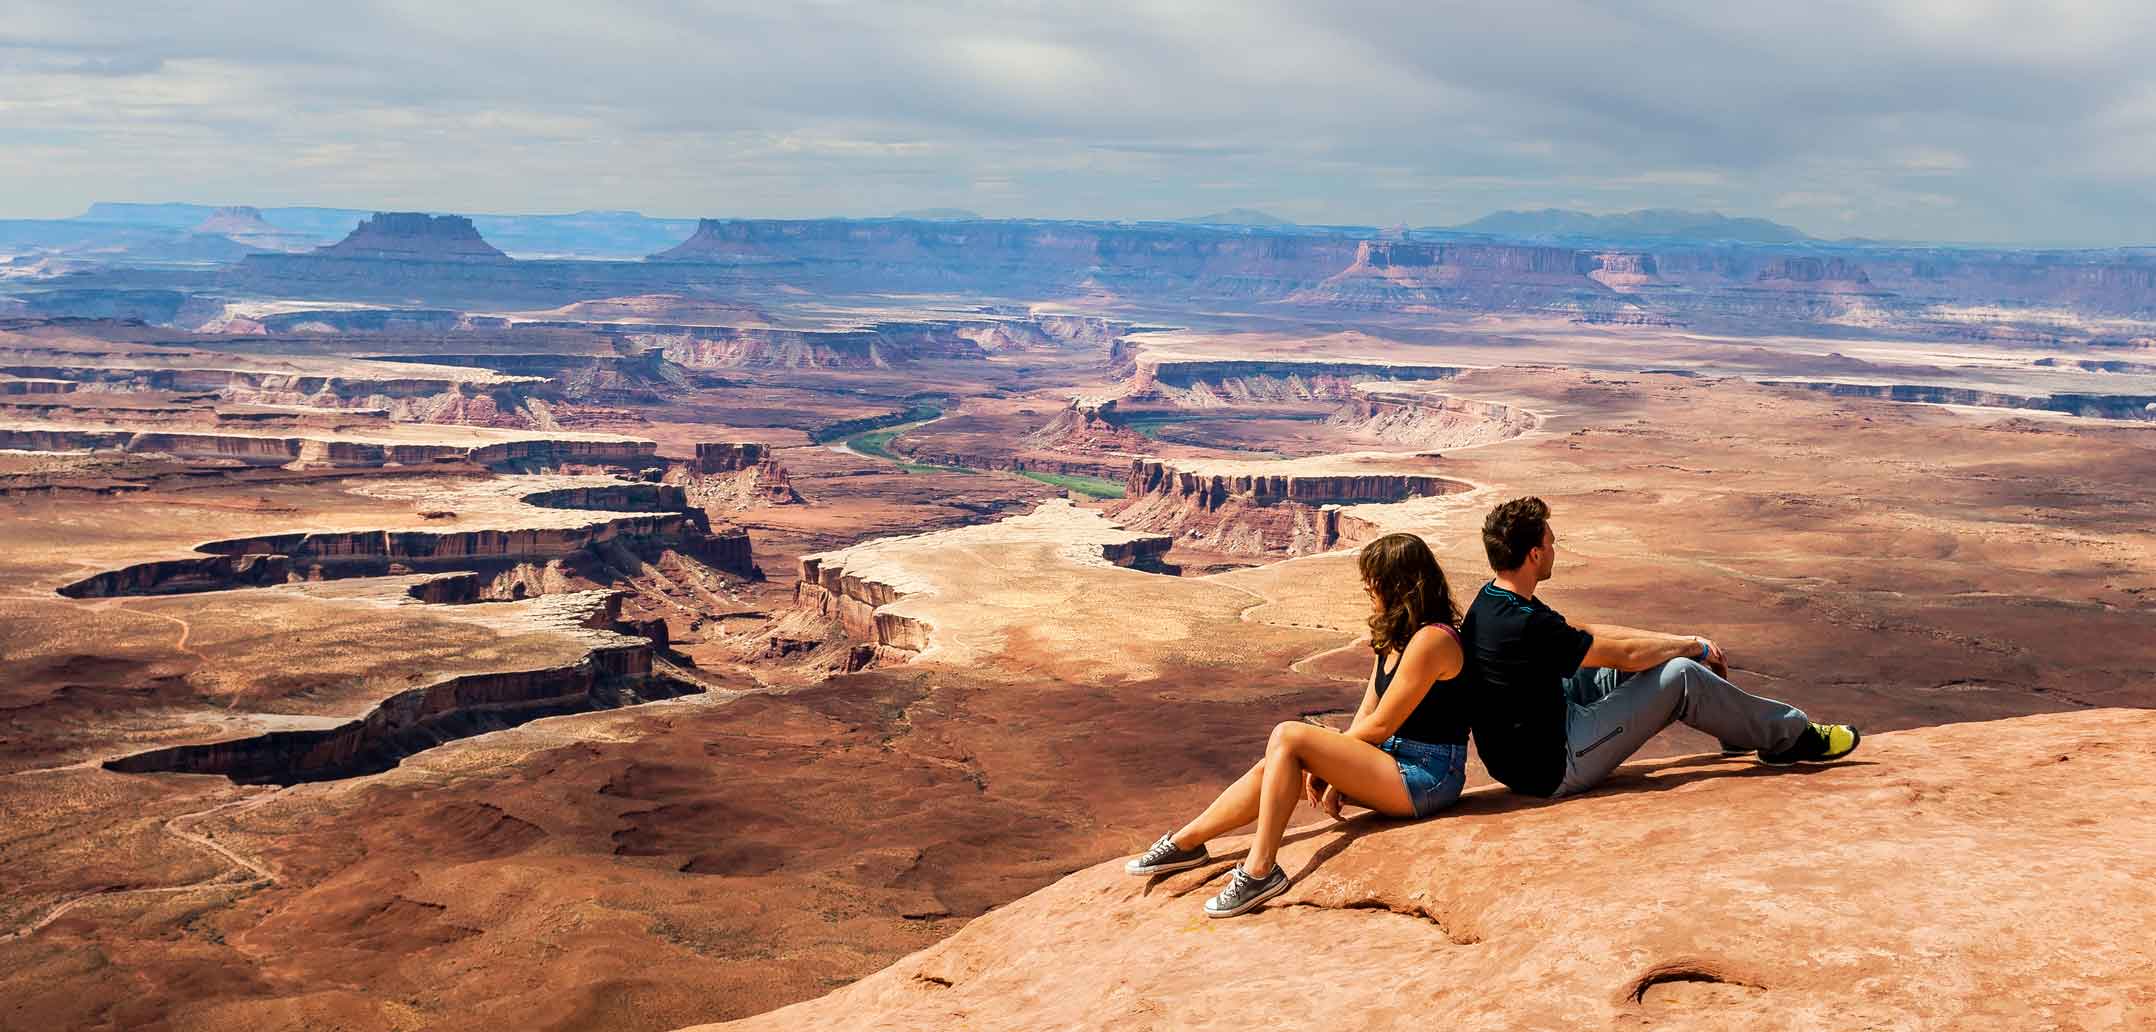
[257, 874]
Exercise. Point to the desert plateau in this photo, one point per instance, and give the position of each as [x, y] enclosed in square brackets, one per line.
[776, 615]
[647, 659]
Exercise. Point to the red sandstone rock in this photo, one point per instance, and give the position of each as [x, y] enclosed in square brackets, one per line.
[1908, 889]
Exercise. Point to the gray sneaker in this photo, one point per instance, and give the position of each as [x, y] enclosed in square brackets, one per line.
[1164, 858]
[1245, 892]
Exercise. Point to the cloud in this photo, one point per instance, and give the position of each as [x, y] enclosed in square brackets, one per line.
[1919, 118]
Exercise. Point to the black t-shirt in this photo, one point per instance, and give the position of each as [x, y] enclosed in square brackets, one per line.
[1520, 651]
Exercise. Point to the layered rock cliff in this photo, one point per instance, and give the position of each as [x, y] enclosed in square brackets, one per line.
[324, 451]
[734, 475]
[1428, 421]
[1394, 273]
[1896, 891]
[2100, 406]
[244, 224]
[1264, 508]
[1814, 273]
[643, 518]
[1208, 382]
[1022, 255]
[617, 671]
[411, 236]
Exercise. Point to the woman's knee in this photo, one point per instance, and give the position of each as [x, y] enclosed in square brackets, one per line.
[1286, 736]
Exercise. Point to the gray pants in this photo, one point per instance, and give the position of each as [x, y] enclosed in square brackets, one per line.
[1610, 715]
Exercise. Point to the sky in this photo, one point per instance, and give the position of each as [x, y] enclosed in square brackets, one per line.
[1950, 120]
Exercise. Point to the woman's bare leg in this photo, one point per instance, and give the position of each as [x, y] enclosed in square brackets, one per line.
[1236, 806]
[1358, 769]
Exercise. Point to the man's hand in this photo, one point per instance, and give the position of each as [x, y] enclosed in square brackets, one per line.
[1715, 659]
[1330, 802]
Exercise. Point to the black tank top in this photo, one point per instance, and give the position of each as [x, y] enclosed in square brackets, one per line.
[1441, 717]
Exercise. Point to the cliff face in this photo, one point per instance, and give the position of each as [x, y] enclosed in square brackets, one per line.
[1254, 513]
[244, 224]
[880, 346]
[1387, 273]
[616, 672]
[1817, 273]
[1429, 421]
[734, 475]
[412, 236]
[645, 518]
[312, 451]
[1208, 382]
[1017, 252]
[1694, 893]
[500, 400]
[2100, 406]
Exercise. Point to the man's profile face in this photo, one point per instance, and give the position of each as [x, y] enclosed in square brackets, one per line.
[1545, 556]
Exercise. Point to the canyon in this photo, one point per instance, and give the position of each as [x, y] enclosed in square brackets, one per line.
[409, 623]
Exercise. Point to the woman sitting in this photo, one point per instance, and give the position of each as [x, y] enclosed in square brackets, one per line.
[1405, 755]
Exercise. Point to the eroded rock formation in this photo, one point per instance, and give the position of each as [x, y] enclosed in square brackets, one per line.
[318, 451]
[1212, 381]
[2101, 406]
[734, 475]
[244, 224]
[1246, 509]
[646, 518]
[1428, 421]
[414, 237]
[617, 671]
[856, 588]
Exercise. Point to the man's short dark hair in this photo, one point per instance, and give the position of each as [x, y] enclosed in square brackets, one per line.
[1512, 530]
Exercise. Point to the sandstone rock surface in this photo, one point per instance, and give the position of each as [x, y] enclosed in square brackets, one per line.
[1980, 875]
[891, 592]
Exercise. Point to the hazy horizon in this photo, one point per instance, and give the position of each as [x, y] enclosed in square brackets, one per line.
[1948, 122]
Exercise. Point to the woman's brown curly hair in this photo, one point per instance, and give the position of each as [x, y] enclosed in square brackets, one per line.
[1403, 572]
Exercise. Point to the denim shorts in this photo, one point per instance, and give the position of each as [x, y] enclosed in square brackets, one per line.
[1434, 773]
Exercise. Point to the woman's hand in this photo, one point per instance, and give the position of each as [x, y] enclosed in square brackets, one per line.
[1314, 788]
[1330, 802]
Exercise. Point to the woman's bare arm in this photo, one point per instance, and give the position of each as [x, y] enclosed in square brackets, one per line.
[1369, 693]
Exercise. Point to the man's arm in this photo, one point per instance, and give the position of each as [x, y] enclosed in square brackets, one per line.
[1634, 654]
[1610, 630]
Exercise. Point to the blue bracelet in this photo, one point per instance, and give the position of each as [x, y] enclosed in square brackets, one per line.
[1704, 650]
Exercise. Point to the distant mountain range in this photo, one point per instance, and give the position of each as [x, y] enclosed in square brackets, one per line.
[938, 214]
[1667, 223]
[1237, 217]
[584, 234]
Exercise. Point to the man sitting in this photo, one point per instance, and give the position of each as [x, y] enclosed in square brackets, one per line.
[1558, 707]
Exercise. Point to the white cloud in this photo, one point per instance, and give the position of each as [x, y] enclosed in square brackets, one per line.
[1357, 111]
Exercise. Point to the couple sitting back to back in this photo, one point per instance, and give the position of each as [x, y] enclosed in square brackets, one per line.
[1553, 706]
